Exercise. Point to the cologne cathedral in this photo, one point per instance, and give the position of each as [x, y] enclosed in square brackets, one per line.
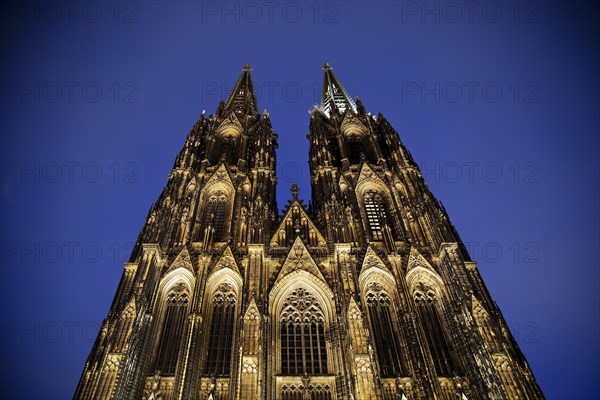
[365, 293]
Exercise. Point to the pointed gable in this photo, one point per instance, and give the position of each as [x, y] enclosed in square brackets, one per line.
[299, 259]
[353, 310]
[351, 124]
[372, 260]
[252, 312]
[368, 176]
[420, 274]
[183, 260]
[296, 218]
[374, 269]
[220, 179]
[416, 259]
[220, 175]
[227, 260]
[230, 125]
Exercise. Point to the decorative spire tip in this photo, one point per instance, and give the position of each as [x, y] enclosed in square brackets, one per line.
[327, 67]
[295, 190]
[247, 68]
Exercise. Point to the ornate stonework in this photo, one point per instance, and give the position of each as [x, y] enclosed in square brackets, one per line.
[367, 293]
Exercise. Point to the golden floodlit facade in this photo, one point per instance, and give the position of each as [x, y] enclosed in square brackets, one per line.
[366, 293]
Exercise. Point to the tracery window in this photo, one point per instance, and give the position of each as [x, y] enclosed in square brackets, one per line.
[218, 362]
[303, 348]
[215, 214]
[296, 392]
[376, 213]
[173, 329]
[386, 341]
[427, 305]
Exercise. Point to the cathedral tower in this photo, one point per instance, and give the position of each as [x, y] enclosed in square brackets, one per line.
[368, 294]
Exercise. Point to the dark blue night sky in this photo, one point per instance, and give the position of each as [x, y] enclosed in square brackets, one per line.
[498, 101]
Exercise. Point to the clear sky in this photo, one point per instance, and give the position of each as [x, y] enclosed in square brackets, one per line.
[497, 101]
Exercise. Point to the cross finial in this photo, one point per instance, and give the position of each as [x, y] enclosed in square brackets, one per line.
[295, 190]
[247, 67]
[326, 67]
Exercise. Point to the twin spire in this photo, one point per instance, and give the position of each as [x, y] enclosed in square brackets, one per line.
[242, 98]
[334, 94]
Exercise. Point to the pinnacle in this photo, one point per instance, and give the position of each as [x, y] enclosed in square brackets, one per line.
[295, 190]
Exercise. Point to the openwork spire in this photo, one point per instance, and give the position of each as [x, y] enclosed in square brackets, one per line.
[334, 93]
[242, 98]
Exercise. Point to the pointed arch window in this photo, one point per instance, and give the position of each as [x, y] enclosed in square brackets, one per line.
[173, 329]
[303, 346]
[218, 362]
[215, 214]
[386, 341]
[427, 306]
[376, 213]
[227, 149]
[356, 149]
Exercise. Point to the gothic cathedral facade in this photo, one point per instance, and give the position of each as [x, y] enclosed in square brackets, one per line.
[367, 293]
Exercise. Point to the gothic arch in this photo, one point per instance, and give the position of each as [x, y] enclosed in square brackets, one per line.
[351, 125]
[177, 276]
[216, 206]
[300, 277]
[370, 181]
[376, 206]
[357, 140]
[226, 140]
[302, 306]
[222, 301]
[419, 275]
[401, 189]
[428, 294]
[175, 291]
[380, 297]
[374, 270]
[223, 273]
